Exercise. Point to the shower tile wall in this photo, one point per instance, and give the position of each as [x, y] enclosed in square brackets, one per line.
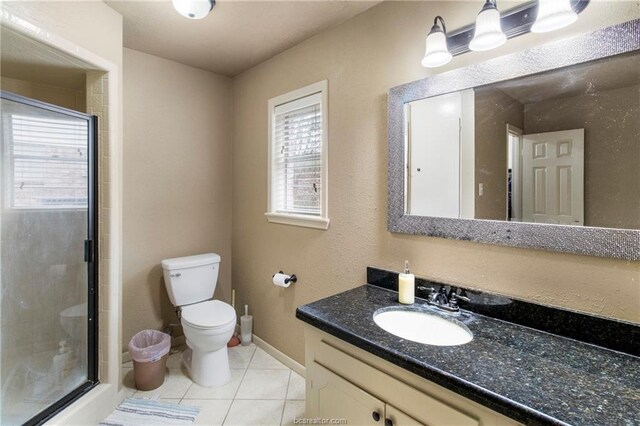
[98, 104]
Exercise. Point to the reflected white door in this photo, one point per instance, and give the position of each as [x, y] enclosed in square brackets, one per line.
[434, 152]
[553, 177]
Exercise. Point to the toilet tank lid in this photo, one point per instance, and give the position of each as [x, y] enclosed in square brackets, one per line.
[190, 261]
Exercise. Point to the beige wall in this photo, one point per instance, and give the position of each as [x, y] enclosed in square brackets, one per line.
[61, 96]
[494, 110]
[362, 59]
[177, 180]
[612, 153]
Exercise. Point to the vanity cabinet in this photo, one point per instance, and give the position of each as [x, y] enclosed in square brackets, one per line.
[336, 398]
[345, 382]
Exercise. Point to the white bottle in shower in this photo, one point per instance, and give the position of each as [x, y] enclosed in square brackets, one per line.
[246, 326]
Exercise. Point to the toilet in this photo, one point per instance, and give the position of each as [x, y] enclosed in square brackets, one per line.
[207, 324]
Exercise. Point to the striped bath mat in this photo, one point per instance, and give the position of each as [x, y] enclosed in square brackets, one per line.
[151, 412]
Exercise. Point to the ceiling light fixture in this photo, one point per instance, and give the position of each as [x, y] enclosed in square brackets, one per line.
[193, 9]
[436, 53]
[553, 15]
[488, 34]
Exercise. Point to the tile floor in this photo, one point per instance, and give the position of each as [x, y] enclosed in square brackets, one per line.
[262, 390]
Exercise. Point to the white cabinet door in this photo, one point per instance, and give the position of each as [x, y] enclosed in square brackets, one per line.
[332, 397]
[395, 417]
[553, 177]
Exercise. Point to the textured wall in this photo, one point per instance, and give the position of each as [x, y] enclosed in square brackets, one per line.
[362, 59]
[61, 96]
[494, 110]
[612, 152]
[177, 174]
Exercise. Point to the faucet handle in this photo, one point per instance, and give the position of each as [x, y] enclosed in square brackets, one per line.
[453, 299]
[431, 290]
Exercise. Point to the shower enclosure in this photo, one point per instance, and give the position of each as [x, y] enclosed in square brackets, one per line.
[48, 258]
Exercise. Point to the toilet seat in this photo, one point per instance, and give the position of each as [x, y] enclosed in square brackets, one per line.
[212, 314]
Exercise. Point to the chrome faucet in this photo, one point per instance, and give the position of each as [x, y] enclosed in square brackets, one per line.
[441, 300]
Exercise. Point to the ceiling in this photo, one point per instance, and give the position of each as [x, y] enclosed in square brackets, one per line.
[606, 74]
[235, 36]
[26, 59]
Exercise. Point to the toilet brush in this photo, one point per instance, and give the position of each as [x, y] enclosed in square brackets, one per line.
[234, 339]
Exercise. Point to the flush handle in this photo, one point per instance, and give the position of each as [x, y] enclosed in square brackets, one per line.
[176, 275]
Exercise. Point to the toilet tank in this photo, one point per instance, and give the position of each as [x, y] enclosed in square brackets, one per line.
[191, 279]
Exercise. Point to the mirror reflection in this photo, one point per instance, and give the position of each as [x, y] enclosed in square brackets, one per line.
[561, 147]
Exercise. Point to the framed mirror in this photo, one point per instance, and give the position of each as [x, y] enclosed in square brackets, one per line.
[537, 149]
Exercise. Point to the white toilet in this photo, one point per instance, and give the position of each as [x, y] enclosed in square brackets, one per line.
[208, 324]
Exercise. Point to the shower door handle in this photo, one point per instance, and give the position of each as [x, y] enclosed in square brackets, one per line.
[88, 251]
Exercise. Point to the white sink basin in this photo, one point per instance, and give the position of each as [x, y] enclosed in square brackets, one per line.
[423, 327]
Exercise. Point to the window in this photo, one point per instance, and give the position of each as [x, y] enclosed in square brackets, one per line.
[46, 164]
[298, 157]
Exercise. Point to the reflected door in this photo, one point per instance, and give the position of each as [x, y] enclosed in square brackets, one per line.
[434, 156]
[47, 261]
[553, 177]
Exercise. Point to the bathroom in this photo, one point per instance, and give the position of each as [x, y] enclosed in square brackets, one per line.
[183, 169]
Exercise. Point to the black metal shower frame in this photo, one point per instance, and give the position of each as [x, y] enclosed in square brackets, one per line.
[90, 256]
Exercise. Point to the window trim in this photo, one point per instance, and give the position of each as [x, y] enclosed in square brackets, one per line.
[273, 216]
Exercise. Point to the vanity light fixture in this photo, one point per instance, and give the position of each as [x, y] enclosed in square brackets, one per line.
[488, 34]
[193, 9]
[492, 28]
[553, 15]
[437, 53]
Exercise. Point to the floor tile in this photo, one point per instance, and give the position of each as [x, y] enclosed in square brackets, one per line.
[292, 410]
[240, 356]
[153, 397]
[175, 385]
[227, 391]
[212, 411]
[175, 360]
[128, 382]
[262, 360]
[264, 384]
[296, 389]
[250, 412]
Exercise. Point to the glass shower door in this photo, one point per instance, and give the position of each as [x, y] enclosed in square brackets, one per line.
[47, 258]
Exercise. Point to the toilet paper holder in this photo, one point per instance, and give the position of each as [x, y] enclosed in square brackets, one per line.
[291, 279]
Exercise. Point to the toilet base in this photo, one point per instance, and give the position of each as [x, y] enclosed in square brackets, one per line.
[207, 369]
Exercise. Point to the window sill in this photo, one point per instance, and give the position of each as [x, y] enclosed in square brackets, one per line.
[298, 220]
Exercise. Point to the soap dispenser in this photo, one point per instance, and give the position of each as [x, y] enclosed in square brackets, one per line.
[406, 286]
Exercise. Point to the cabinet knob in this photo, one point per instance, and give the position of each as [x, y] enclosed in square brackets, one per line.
[376, 416]
[388, 422]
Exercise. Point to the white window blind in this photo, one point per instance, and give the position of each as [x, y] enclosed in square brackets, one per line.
[47, 162]
[297, 156]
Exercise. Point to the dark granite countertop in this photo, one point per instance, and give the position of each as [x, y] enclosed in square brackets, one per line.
[531, 376]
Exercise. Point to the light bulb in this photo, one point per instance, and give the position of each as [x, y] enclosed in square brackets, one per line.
[436, 52]
[488, 32]
[552, 15]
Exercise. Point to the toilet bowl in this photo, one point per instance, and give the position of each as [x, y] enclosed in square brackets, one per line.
[73, 321]
[208, 324]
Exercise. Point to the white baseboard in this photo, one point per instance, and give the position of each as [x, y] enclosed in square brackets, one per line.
[280, 356]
